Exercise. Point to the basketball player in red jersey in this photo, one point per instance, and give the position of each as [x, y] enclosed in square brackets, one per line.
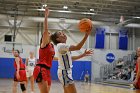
[20, 74]
[137, 79]
[46, 55]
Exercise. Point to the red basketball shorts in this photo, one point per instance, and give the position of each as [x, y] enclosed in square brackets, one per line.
[41, 73]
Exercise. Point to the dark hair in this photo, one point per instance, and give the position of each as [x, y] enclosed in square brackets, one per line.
[54, 37]
[17, 51]
[130, 67]
[135, 57]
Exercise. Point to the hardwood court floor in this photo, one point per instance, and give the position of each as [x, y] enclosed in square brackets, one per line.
[6, 87]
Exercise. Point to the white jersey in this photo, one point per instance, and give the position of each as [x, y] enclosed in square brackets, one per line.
[31, 62]
[64, 56]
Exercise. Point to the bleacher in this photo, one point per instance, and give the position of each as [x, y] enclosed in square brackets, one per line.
[109, 73]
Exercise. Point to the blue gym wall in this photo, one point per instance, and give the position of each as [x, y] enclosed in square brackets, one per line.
[79, 68]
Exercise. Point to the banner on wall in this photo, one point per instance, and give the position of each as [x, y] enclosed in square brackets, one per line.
[110, 57]
[123, 39]
[100, 38]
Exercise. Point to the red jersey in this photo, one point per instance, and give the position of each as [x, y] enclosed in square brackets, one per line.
[22, 65]
[138, 83]
[46, 55]
[22, 71]
[136, 67]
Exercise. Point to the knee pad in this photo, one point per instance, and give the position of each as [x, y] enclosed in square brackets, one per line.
[22, 86]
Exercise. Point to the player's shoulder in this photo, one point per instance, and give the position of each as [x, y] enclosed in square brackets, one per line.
[17, 58]
[61, 44]
[138, 59]
[27, 58]
[47, 46]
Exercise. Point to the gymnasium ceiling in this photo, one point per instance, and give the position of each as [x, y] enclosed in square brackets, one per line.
[102, 10]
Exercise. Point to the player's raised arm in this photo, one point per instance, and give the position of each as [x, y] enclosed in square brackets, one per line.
[45, 37]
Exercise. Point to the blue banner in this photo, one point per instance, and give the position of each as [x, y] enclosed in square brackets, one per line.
[100, 38]
[123, 39]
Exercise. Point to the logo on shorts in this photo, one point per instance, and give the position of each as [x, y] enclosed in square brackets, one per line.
[31, 64]
[110, 57]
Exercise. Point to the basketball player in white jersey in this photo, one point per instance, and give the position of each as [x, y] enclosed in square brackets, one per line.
[30, 64]
[65, 59]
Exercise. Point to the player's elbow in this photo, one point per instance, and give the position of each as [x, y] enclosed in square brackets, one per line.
[78, 47]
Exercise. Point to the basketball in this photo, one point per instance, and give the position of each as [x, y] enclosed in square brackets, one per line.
[85, 25]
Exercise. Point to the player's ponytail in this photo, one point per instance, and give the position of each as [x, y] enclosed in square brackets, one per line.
[54, 38]
[18, 51]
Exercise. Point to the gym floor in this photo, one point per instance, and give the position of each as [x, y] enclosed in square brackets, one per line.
[5, 87]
